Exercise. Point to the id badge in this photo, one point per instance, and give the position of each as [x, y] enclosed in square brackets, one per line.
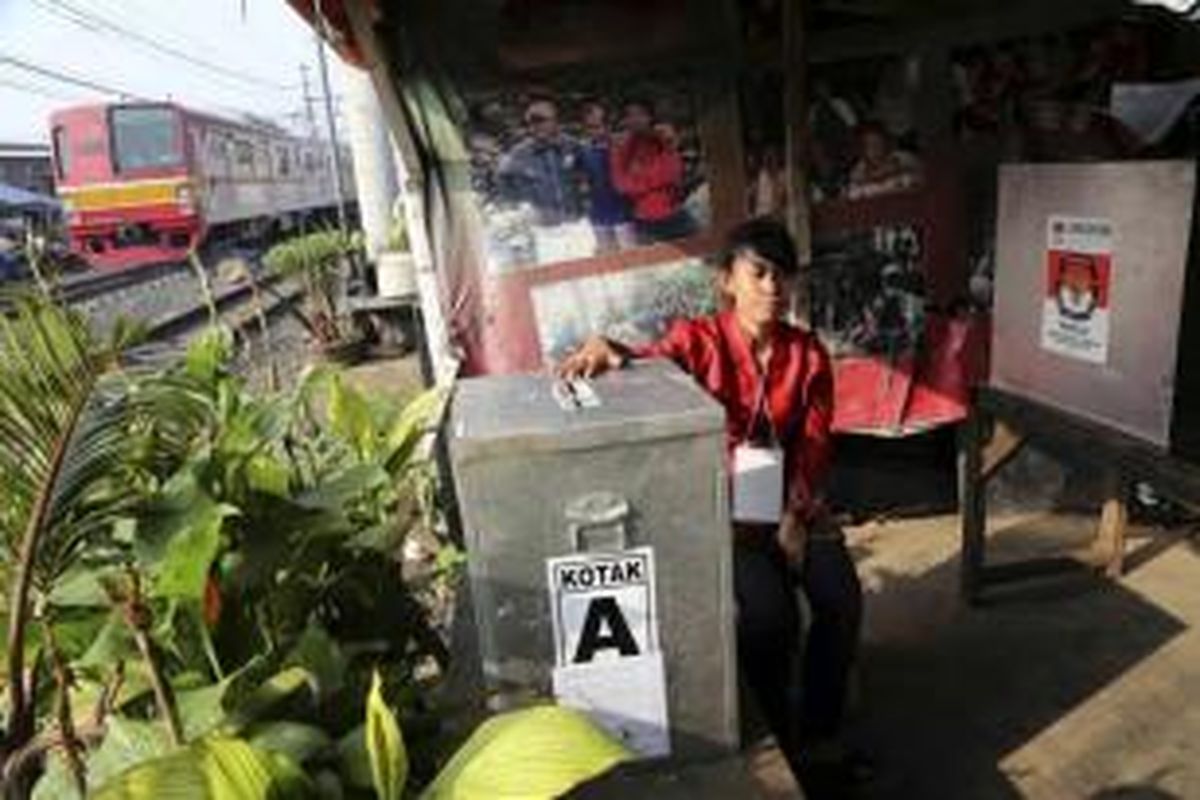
[757, 484]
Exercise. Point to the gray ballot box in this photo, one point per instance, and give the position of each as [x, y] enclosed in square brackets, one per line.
[568, 500]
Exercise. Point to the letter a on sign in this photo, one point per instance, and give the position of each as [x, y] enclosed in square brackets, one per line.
[602, 606]
[604, 627]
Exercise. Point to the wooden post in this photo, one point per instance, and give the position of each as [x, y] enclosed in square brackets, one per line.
[973, 506]
[1114, 522]
[795, 115]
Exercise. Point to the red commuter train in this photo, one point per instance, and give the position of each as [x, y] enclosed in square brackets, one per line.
[145, 182]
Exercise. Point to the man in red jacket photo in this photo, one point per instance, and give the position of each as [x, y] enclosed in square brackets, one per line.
[648, 170]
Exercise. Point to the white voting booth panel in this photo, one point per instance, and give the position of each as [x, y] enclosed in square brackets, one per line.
[599, 553]
[1095, 302]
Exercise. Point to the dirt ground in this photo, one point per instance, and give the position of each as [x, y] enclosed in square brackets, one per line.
[1065, 687]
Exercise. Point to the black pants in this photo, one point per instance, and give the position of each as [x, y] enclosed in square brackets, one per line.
[768, 634]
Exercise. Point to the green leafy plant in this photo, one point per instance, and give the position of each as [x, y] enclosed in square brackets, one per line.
[189, 559]
[320, 261]
[537, 753]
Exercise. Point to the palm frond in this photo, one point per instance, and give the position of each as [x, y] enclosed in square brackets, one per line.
[67, 455]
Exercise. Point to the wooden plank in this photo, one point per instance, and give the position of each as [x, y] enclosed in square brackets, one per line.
[973, 503]
[1114, 523]
[1072, 436]
[1004, 445]
[795, 114]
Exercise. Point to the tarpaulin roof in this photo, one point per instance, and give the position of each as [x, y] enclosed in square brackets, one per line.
[17, 197]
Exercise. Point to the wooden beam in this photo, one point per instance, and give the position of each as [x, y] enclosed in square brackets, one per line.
[1070, 435]
[874, 40]
[1004, 445]
[1114, 524]
[973, 507]
[796, 134]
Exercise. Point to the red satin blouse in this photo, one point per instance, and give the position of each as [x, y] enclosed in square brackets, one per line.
[798, 393]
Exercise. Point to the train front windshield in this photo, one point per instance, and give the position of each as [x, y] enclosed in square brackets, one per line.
[145, 138]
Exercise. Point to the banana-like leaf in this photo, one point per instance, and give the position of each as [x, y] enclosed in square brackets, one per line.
[532, 754]
[179, 536]
[320, 658]
[297, 741]
[385, 745]
[354, 763]
[215, 768]
[127, 742]
[350, 418]
[270, 693]
[419, 416]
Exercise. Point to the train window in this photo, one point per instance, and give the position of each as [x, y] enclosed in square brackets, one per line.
[62, 152]
[244, 157]
[144, 137]
[262, 160]
[283, 163]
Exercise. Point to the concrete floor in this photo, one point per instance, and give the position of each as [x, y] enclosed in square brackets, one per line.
[1067, 687]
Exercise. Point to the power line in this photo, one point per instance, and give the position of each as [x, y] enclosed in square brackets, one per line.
[101, 24]
[29, 88]
[63, 77]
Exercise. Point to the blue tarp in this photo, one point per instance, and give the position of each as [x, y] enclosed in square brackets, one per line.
[17, 197]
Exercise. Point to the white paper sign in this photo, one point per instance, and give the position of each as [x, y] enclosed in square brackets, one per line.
[1077, 300]
[602, 606]
[627, 698]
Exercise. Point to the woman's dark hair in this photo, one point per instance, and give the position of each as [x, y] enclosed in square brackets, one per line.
[762, 238]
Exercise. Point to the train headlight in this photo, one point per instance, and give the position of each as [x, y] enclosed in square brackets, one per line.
[184, 198]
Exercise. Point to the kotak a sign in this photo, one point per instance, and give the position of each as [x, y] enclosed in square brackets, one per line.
[603, 606]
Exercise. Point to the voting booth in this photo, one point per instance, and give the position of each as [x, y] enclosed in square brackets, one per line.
[597, 532]
[1095, 296]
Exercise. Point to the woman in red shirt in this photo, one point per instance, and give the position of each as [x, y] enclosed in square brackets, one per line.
[776, 384]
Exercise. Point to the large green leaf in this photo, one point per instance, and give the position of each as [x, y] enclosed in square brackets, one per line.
[385, 745]
[270, 693]
[208, 353]
[320, 656]
[532, 754]
[297, 741]
[113, 643]
[127, 742]
[344, 486]
[179, 537]
[420, 415]
[354, 763]
[212, 769]
[350, 418]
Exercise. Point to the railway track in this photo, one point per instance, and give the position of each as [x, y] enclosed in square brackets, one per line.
[167, 332]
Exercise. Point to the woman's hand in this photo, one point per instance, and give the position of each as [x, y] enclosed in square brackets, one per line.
[792, 537]
[596, 356]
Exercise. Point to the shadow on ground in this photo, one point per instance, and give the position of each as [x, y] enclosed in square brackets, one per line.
[949, 691]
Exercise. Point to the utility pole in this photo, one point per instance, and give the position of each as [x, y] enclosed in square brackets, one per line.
[308, 102]
[333, 139]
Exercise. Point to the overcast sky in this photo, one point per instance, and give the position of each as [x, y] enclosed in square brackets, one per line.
[249, 63]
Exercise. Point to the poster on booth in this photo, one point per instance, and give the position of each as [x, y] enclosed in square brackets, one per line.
[606, 645]
[1078, 295]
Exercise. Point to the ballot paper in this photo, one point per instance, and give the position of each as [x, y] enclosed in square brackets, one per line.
[626, 697]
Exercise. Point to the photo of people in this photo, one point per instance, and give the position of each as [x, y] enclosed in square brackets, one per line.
[1046, 98]
[862, 142]
[636, 306]
[868, 291]
[573, 172]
